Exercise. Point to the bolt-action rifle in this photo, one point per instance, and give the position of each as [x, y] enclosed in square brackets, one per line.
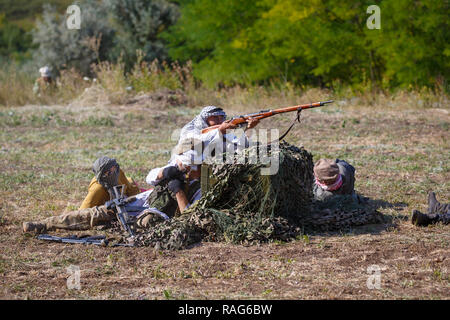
[97, 240]
[117, 203]
[240, 120]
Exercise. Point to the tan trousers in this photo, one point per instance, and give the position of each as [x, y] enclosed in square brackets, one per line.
[80, 219]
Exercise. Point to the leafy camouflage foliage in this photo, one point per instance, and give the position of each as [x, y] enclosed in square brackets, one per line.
[244, 206]
[342, 212]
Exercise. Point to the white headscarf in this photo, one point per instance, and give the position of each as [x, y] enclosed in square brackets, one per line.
[194, 129]
[45, 71]
[196, 125]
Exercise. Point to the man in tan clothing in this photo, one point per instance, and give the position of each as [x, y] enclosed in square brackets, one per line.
[98, 195]
[92, 212]
[45, 83]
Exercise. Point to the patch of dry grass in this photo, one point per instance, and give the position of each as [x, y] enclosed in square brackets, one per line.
[112, 84]
[400, 153]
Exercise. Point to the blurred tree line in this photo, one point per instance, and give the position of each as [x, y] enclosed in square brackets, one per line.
[16, 21]
[110, 30]
[311, 43]
[15, 42]
[314, 42]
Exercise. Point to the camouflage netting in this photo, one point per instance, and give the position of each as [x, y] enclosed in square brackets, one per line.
[244, 206]
[341, 212]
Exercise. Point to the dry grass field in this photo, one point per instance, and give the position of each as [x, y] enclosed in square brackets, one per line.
[400, 153]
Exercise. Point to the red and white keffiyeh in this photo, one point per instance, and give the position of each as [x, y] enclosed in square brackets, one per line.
[331, 187]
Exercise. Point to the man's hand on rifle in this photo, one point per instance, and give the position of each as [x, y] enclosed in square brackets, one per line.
[224, 126]
[252, 122]
[175, 172]
[172, 172]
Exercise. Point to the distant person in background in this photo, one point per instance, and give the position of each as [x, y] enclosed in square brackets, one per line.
[437, 212]
[44, 83]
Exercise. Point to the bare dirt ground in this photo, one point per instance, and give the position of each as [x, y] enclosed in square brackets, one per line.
[45, 159]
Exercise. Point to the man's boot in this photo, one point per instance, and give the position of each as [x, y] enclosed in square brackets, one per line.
[435, 206]
[420, 219]
[35, 227]
[432, 202]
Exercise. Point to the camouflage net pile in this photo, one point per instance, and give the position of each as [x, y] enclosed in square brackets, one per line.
[342, 212]
[244, 206]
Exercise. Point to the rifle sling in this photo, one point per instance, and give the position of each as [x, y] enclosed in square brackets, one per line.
[297, 119]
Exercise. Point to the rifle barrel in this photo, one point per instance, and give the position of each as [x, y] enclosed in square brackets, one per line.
[97, 240]
[268, 113]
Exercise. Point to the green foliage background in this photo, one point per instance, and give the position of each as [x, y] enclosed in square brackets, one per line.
[17, 19]
[322, 43]
[314, 42]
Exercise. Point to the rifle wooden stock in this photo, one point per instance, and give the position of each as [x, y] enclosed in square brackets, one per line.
[268, 113]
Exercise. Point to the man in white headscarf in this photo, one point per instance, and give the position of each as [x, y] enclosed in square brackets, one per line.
[44, 82]
[209, 116]
[184, 166]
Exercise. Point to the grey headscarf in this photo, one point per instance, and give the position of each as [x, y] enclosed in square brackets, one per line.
[103, 164]
[196, 125]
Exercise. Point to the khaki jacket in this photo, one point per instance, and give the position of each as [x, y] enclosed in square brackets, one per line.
[98, 195]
